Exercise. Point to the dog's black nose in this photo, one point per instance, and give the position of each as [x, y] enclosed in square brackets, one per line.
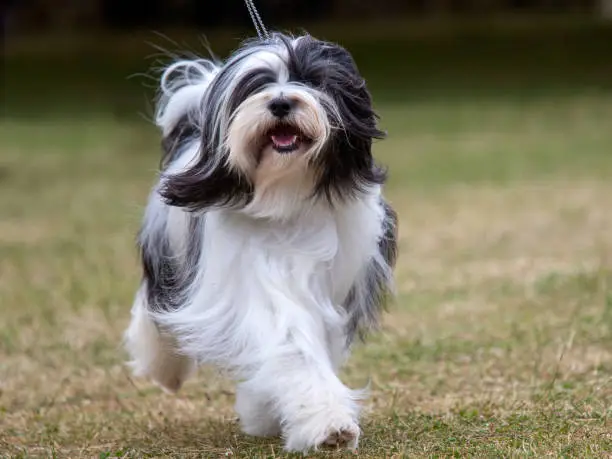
[280, 107]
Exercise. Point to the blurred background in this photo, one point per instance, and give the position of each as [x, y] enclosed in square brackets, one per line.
[499, 115]
[95, 53]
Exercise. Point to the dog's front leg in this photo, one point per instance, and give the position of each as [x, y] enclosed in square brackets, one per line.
[313, 405]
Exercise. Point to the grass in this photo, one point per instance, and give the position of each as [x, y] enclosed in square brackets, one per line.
[499, 343]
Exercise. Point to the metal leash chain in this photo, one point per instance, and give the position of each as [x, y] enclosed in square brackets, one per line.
[257, 22]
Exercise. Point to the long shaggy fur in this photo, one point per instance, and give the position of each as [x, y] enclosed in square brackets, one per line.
[263, 261]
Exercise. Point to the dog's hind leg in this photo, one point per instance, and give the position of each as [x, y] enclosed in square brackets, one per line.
[154, 353]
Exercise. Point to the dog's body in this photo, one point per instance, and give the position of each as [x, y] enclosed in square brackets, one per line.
[266, 245]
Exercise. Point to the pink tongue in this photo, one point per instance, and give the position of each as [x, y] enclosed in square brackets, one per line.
[284, 140]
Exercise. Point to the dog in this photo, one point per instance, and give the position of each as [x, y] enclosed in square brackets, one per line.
[267, 245]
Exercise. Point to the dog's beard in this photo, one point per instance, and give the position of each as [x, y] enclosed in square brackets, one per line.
[278, 155]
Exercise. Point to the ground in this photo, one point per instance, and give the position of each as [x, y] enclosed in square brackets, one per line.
[499, 342]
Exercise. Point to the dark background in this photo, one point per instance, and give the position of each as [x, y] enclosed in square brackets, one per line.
[49, 14]
[74, 57]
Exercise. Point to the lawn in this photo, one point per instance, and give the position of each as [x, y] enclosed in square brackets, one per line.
[499, 342]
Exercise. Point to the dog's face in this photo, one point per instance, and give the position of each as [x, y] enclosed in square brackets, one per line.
[284, 121]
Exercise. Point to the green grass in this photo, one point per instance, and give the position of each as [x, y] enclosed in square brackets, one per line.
[500, 341]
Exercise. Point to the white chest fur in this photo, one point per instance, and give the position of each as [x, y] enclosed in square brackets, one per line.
[259, 281]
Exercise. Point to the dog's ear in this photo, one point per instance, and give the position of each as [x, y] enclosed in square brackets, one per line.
[348, 165]
[190, 98]
[350, 92]
[331, 69]
[207, 181]
[206, 185]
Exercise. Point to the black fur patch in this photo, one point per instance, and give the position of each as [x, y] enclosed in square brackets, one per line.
[374, 287]
[388, 244]
[178, 136]
[203, 187]
[164, 279]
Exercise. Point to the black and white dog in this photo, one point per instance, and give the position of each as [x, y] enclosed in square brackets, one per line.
[267, 245]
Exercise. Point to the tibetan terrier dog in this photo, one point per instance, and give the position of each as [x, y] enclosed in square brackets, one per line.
[267, 246]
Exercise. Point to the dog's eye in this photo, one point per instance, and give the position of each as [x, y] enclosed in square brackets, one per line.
[250, 83]
[256, 80]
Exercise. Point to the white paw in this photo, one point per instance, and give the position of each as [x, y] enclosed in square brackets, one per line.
[346, 437]
[323, 429]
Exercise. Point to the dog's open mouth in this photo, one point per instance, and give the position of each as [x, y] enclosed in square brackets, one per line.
[286, 138]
